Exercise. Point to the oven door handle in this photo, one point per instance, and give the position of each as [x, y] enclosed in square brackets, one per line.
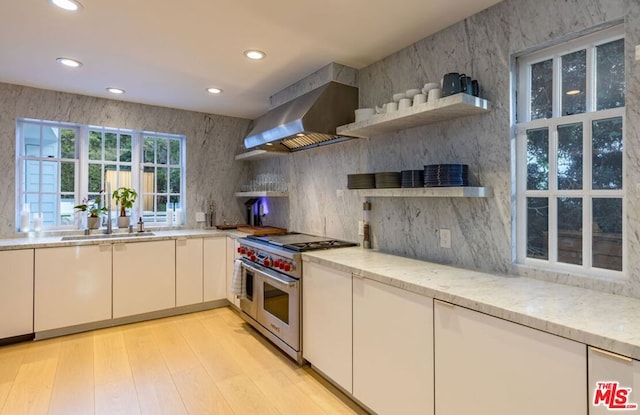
[269, 274]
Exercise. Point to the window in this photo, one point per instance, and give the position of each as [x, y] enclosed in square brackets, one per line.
[569, 143]
[61, 164]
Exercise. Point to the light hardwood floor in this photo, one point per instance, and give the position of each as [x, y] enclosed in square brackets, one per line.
[202, 363]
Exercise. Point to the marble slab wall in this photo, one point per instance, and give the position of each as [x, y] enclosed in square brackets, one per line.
[212, 142]
[484, 47]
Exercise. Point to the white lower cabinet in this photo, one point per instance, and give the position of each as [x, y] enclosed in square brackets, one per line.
[327, 322]
[215, 269]
[189, 271]
[232, 254]
[144, 277]
[614, 383]
[488, 366]
[16, 293]
[72, 286]
[392, 348]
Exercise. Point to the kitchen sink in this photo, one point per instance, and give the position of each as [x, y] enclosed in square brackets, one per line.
[107, 236]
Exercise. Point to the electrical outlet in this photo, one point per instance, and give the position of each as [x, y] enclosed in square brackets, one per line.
[200, 217]
[361, 227]
[638, 52]
[445, 238]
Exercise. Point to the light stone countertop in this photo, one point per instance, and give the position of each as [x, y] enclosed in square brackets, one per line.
[603, 320]
[34, 241]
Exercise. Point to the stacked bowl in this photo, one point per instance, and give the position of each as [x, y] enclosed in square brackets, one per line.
[361, 181]
[412, 178]
[387, 180]
[446, 175]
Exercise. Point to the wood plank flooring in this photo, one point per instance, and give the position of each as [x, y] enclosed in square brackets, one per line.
[209, 362]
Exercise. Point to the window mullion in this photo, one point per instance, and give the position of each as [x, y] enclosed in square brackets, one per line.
[556, 87]
[591, 79]
[553, 192]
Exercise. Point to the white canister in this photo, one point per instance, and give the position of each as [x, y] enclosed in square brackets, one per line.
[404, 103]
[37, 222]
[391, 107]
[169, 217]
[434, 95]
[419, 99]
[24, 220]
[178, 217]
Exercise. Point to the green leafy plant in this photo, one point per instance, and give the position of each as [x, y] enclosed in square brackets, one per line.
[125, 197]
[92, 206]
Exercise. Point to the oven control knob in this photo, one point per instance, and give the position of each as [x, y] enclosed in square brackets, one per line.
[242, 249]
[281, 265]
[266, 262]
[252, 257]
[287, 266]
[276, 263]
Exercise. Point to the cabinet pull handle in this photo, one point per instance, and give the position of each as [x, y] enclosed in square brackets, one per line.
[611, 354]
[181, 238]
[444, 303]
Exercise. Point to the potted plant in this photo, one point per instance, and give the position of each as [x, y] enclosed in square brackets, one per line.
[94, 208]
[125, 197]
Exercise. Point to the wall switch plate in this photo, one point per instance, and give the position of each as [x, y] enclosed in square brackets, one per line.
[199, 216]
[445, 238]
[340, 192]
[361, 228]
[638, 52]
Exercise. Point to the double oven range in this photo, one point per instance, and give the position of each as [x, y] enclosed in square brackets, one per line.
[272, 270]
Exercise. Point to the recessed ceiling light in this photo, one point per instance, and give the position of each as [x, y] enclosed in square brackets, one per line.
[573, 92]
[256, 55]
[70, 5]
[116, 90]
[72, 63]
[214, 90]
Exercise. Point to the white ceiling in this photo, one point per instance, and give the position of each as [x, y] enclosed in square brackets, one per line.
[167, 52]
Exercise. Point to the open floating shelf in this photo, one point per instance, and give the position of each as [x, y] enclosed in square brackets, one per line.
[461, 191]
[262, 194]
[453, 106]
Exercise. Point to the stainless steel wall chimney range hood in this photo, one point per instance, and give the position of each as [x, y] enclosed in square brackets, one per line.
[307, 121]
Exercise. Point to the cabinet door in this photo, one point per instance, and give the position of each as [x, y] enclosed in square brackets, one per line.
[72, 286]
[232, 254]
[392, 349]
[16, 293]
[144, 277]
[612, 375]
[327, 322]
[215, 269]
[488, 366]
[189, 264]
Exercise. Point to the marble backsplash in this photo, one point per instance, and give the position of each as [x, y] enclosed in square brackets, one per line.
[483, 46]
[212, 143]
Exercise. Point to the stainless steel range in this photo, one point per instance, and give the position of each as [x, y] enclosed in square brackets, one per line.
[272, 271]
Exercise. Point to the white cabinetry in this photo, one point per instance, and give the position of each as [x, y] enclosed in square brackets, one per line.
[611, 374]
[392, 348]
[144, 277]
[72, 286]
[327, 322]
[16, 293]
[189, 263]
[488, 366]
[215, 268]
[232, 254]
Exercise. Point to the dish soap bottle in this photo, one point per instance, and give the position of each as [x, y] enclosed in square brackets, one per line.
[140, 225]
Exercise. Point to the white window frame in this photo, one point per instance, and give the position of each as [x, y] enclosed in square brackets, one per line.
[81, 188]
[587, 194]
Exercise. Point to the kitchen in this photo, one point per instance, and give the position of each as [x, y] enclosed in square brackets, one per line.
[481, 229]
